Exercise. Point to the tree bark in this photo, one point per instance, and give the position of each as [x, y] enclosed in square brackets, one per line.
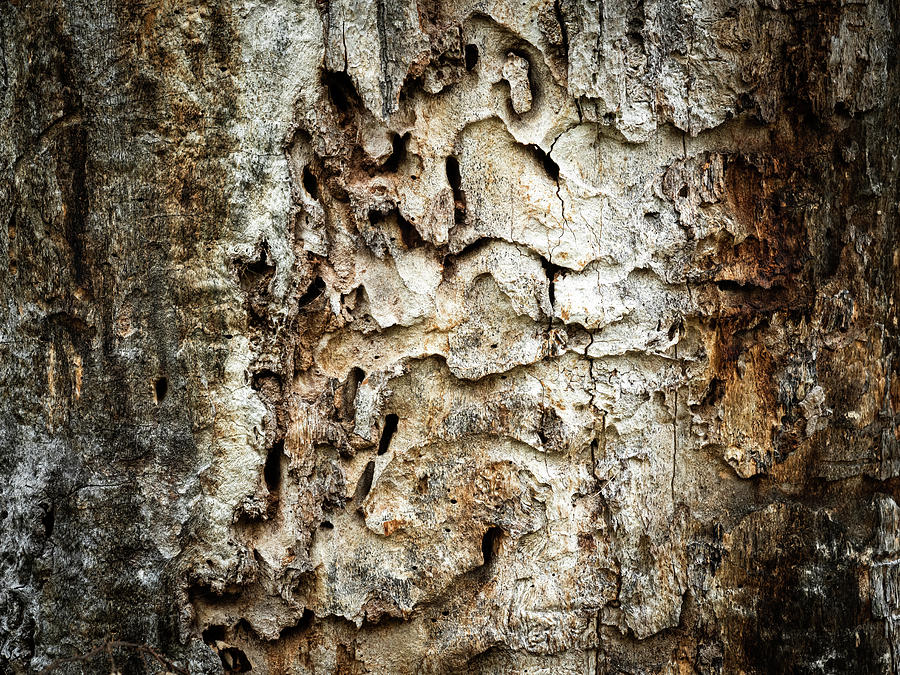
[395, 337]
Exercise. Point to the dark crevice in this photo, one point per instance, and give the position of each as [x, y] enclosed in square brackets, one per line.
[715, 391]
[451, 259]
[472, 247]
[453, 175]
[213, 634]
[551, 271]
[364, 485]
[160, 388]
[563, 29]
[242, 625]
[48, 520]
[342, 92]
[272, 467]
[459, 198]
[390, 428]
[471, 57]
[255, 275]
[301, 626]
[316, 288]
[398, 154]
[310, 183]
[748, 287]
[728, 285]
[490, 544]
[408, 233]
[235, 660]
[635, 23]
[677, 328]
[305, 620]
[260, 267]
[351, 386]
[546, 161]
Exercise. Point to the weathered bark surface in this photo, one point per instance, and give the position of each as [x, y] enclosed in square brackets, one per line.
[465, 336]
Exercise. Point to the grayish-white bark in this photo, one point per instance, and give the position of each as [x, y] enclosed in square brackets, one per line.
[470, 336]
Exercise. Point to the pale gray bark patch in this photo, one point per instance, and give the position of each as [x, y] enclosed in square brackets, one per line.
[449, 337]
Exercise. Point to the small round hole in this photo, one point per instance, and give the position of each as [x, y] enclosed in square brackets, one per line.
[310, 183]
[471, 56]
